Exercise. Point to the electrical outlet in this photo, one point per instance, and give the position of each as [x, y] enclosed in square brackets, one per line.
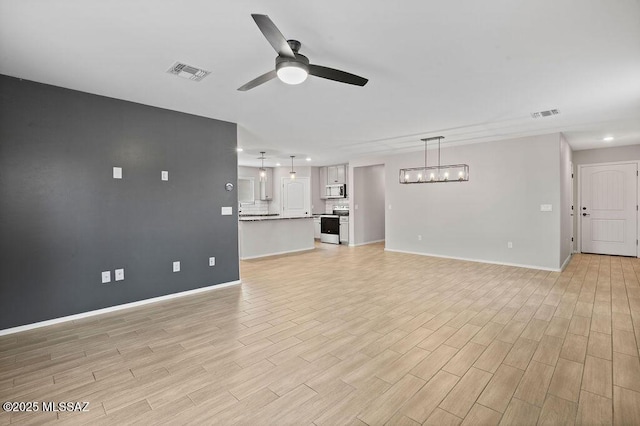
[212, 261]
[164, 175]
[176, 266]
[117, 172]
[509, 244]
[119, 274]
[106, 277]
[419, 237]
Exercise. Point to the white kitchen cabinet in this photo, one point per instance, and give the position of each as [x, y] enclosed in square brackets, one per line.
[336, 174]
[344, 230]
[316, 228]
[266, 185]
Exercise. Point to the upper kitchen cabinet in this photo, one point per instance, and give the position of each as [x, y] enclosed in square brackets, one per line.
[336, 174]
[333, 175]
[266, 185]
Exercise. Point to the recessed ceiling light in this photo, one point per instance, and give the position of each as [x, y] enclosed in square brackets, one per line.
[308, 158]
[277, 164]
[608, 139]
[239, 149]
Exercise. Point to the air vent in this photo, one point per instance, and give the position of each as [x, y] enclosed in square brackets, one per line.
[188, 71]
[543, 114]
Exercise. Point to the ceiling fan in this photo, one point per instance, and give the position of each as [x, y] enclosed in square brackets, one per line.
[291, 66]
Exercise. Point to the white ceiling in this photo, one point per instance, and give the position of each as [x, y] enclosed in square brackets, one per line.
[469, 70]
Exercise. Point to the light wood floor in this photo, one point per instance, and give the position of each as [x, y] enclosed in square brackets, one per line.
[352, 336]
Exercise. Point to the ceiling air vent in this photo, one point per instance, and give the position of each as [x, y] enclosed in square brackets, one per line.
[542, 114]
[187, 71]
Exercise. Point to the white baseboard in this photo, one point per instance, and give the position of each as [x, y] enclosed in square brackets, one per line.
[277, 253]
[541, 268]
[566, 262]
[115, 308]
[366, 243]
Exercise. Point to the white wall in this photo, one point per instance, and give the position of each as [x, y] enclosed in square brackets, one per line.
[607, 155]
[509, 179]
[566, 192]
[317, 189]
[367, 214]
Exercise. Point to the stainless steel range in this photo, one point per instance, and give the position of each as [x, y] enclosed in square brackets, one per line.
[330, 225]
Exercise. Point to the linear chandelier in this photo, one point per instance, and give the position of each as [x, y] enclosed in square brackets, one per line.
[435, 174]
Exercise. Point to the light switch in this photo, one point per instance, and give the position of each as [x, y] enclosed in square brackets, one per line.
[117, 172]
[176, 266]
[106, 277]
[227, 211]
[546, 207]
[164, 175]
[119, 274]
[212, 261]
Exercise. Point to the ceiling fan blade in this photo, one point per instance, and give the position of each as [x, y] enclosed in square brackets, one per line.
[337, 75]
[273, 35]
[259, 80]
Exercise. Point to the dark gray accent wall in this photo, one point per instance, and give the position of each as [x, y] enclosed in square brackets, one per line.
[64, 219]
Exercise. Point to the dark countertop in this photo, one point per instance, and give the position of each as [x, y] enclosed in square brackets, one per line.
[269, 217]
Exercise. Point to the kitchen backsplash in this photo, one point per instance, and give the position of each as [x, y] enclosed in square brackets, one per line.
[328, 205]
[262, 207]
[258, 207]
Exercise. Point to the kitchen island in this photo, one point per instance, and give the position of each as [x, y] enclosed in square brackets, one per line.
[261, 236]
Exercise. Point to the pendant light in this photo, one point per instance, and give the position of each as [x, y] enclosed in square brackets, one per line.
[434, 174]
[263, 171]
[292, 173]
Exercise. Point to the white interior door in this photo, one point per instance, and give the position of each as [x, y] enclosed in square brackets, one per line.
[608, 200]
[296, 197]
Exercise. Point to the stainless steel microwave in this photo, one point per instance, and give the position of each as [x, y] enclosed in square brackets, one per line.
[336, 191]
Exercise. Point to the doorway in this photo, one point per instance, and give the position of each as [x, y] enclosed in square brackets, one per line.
[368, 205]
[608, 208]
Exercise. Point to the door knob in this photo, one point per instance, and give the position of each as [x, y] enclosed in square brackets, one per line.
[586, 214]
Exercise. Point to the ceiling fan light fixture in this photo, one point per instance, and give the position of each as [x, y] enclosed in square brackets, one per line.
[292, 72]
[291, 66]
